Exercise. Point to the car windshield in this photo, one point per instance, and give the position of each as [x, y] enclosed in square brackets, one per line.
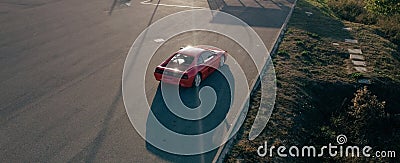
[180, 61]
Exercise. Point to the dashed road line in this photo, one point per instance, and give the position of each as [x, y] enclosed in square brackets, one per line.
[148, 2]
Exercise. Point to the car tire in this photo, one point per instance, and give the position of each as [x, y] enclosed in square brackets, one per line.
[222, 61]
[197, 80]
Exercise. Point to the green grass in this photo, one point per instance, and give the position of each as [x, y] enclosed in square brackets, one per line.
[356, 75]
[300, 43]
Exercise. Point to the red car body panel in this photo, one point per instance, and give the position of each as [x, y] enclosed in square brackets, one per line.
[184, 75]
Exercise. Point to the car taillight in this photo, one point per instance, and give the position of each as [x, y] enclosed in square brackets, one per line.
[159, 71]
[185, 76]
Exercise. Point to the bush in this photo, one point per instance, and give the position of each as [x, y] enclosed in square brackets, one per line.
[390, 27]
[352, 10]
[366, 108]
[383, 7]
[363, 120]
[384, 13]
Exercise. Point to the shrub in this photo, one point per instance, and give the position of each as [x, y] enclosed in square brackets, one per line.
[383, 7]
[364, 122]
[390, 28]
[366, 107]
[352, 10]
[384, 13]
[364, 118]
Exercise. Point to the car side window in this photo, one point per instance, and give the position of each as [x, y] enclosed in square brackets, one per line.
[200, 60]
[206, 56]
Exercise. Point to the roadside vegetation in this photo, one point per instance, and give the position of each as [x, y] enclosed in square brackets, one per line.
[385, 14]
[318, 97]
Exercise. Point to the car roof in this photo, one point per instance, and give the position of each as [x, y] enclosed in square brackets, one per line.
[191, 51]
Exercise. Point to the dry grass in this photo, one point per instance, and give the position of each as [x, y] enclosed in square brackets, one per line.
[356, 11]
[315, 81]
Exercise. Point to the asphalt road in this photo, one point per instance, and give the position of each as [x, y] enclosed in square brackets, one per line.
[61, 68]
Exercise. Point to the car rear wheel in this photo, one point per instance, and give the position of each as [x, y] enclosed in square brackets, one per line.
[222, 61]
[197, 80]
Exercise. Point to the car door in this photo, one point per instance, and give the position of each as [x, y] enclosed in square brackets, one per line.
[213, 60]
[201, 67]
[208, 59]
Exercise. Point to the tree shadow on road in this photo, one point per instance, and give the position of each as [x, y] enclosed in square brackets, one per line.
[89, 153]
[323, 24]
[254, 13]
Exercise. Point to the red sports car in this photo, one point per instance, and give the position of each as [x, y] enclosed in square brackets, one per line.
[190, 65]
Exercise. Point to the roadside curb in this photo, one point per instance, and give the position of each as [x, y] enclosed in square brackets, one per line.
[225, 148]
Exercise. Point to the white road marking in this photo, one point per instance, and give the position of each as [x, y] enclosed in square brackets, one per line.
[159, 40]
[148, 2]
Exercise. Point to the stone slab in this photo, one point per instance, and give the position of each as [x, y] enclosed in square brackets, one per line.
[347, 29]
[357, 57]
[364, 81]
[351, 41]
[355, 51]
[335, 44]
[359, 63]
[308, 13]
[361, 69]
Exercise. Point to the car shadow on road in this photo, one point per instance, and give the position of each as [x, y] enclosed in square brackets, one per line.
[189, 97]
